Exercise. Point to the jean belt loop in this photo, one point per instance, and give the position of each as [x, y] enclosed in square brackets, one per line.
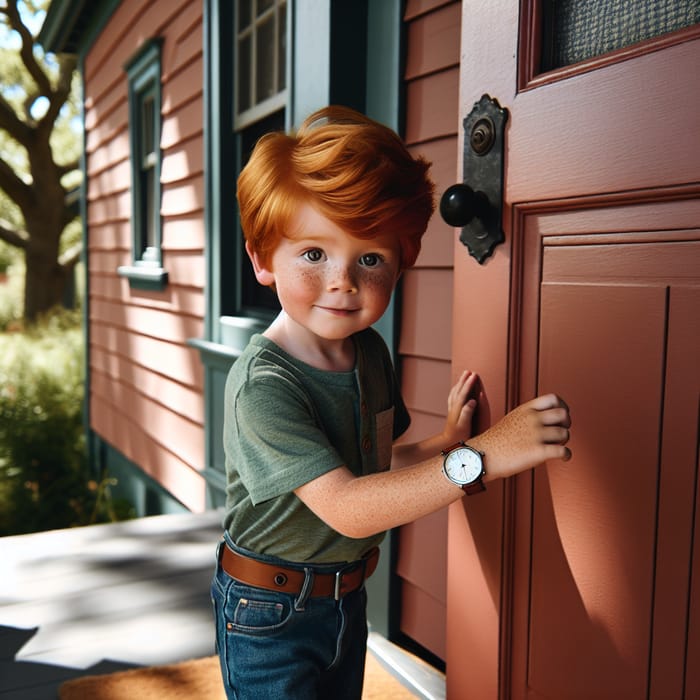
[300, 602]
[338, 584]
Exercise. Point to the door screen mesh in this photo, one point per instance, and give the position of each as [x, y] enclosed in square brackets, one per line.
[576, 30]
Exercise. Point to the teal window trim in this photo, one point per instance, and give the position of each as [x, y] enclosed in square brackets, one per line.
[143, 71]
[312, 82]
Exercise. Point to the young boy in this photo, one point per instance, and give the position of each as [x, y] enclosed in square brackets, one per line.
[332, 216]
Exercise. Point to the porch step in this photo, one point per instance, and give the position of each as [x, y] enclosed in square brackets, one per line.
[423, 680]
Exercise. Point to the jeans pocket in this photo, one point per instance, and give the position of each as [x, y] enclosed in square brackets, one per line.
[256, 612]
[258, 616]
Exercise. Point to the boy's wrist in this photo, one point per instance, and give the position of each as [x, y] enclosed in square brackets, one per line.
[463, 465]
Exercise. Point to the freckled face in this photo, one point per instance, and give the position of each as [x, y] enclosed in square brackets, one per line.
[330, 282]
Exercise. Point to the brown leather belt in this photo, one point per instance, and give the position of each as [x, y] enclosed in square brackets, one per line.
[279, 578]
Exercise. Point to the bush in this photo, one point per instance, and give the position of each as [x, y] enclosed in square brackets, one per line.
[11, 290]
[7, 257]
[44, 479]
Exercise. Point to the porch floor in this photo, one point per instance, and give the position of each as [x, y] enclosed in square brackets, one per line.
[106, 598]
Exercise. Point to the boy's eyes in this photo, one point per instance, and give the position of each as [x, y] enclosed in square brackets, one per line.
[370, 260]
[315, 255]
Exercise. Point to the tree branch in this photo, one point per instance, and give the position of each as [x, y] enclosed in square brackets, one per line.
[27, 48]
[15, 188]
[71, 257]
[66, 168]
[58, 97]
[14, 237]
[10, 122]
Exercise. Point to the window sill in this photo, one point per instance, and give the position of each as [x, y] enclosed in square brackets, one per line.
[151, 277]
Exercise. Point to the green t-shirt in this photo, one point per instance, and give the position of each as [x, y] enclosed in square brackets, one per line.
[287, 423]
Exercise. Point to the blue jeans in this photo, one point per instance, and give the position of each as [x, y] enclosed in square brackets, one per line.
[273, 645]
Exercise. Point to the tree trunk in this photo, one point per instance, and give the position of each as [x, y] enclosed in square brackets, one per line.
[44, 284]
[45, 279]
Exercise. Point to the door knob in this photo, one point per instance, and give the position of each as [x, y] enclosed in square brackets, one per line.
[476, 207]
[460, 204]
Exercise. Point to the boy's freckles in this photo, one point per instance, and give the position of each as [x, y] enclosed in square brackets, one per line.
[378, 282]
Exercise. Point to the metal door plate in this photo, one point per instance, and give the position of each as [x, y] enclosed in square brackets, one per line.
[484, 129]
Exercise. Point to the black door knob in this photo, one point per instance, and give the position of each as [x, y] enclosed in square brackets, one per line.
[460, 204]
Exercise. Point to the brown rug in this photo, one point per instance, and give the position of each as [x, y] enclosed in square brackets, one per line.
[200, 679]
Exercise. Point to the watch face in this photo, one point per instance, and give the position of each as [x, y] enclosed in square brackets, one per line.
[463, 465]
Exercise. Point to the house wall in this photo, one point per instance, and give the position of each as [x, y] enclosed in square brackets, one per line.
[432, 86]
[146, 384]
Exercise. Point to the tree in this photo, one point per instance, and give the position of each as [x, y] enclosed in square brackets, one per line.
[39, 155]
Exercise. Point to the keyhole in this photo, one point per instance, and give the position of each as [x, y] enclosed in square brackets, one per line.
[483, 136]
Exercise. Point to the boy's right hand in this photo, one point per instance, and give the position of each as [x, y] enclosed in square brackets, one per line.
[532, 433]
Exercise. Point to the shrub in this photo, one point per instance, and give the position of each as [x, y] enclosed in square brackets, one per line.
[44, 479]
[11, 289]
[7, 257]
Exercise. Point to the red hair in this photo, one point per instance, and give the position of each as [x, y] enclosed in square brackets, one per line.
[353, 170]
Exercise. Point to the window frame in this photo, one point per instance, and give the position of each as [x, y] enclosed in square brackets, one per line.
[143, 71]
[258, 110]
[250, 308]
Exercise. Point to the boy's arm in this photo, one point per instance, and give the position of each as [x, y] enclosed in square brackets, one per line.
[461, 406]
[362, 506]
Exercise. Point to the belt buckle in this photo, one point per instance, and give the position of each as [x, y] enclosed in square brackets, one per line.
[346, 569]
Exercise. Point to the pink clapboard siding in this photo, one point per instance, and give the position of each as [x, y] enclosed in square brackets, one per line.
[146, 388]
[432, 75]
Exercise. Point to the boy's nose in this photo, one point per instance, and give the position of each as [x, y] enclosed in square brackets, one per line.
[341, 279]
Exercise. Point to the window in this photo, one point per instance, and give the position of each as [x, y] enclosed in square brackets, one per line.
[260, 99]
[143, 72]
[260, 59]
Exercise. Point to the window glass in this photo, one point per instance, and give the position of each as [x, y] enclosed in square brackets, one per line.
[144, 79]
[255, 299]
[266, 73]
[260, 101]
[245, 67]
[260, 58]
[244, 13]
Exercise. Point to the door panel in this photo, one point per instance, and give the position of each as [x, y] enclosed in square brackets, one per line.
[626, 123]
[674, 668]
[596, 540]
[590, 597]
[580, 580]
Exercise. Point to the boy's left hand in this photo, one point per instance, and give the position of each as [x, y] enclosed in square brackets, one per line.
[461, 406]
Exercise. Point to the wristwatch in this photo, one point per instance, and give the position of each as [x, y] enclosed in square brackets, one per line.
[464, 466]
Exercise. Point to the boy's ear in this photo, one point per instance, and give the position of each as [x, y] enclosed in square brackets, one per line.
[264, 275]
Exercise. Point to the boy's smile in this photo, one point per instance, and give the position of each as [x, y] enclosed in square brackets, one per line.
[330, 284]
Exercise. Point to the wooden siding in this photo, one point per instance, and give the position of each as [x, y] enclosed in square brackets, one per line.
[431, 75]
[146, 384]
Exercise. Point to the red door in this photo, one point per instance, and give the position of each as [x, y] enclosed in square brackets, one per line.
[582, 580]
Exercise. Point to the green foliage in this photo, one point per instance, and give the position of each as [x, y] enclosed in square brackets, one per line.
[11, 290]
[44, 479]
[7, 257]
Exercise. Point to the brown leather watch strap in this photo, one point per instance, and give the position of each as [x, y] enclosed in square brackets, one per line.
[476, 487]
[459, 443]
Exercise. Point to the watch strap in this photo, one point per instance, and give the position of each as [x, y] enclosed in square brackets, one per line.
[475, 487]
[447, 450]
